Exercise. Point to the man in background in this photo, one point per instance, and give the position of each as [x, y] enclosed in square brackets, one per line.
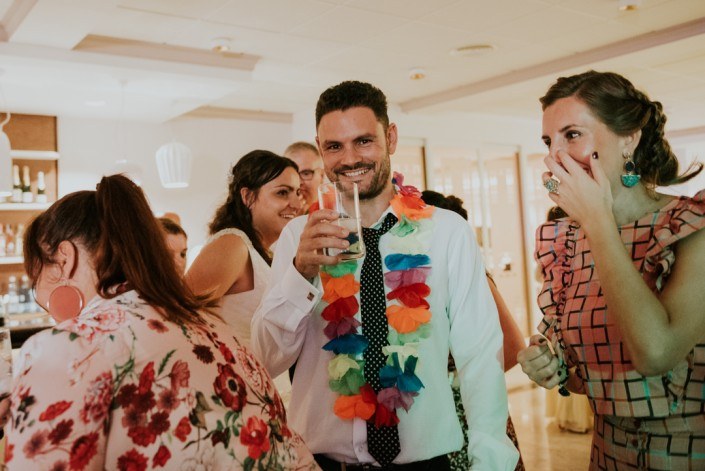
[310, 171]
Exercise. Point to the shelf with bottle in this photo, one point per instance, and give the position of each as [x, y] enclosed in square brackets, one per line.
[17, 298]
[34, 155]
[14, 260]
[11, 243]
[20, 312]
[23, 197]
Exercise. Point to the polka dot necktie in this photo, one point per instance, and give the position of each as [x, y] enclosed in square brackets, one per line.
[383, 442]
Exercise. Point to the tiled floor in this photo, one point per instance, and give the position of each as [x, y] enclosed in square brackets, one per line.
[544, 447]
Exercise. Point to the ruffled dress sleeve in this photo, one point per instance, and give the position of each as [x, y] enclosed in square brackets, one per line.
[553, 254]
[676, 222]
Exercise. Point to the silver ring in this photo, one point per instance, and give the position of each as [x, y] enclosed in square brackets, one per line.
[551, 185]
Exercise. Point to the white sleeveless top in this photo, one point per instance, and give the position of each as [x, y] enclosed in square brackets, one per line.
[237, 309]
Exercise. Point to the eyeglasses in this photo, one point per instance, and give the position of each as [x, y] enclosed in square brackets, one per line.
[308, 174]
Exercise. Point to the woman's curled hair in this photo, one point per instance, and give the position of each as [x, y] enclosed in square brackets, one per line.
[623, 109]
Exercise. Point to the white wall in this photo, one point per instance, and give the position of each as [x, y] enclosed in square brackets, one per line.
[89, 149]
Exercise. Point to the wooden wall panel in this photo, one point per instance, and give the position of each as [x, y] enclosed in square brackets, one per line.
[31, 132]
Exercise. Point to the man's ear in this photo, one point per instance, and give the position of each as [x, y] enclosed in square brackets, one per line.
[248, 197]
[392, 138]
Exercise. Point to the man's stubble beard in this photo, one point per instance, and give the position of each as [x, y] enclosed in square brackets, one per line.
[378, 183]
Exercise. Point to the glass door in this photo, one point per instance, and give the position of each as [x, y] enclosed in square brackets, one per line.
[487, 180]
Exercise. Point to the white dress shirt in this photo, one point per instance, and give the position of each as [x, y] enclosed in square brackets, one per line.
[287, 327]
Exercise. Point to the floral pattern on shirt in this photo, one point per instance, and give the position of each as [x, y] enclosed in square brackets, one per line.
[122, 388]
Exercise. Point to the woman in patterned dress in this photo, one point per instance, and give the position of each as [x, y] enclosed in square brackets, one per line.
[624, 289]
[137, 374]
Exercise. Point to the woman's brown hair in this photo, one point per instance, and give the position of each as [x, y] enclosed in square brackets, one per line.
[623, 109]
[116, 226]
[252, 171]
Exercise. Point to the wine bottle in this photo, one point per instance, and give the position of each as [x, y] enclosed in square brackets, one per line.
[27, 195]
[9, 240]
[3, 242]
[19, 240]
[16, 185]
[41, 188]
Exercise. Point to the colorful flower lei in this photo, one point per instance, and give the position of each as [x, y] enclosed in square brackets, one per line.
[408, 315]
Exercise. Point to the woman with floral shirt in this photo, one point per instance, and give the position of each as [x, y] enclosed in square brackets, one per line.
[142, 376]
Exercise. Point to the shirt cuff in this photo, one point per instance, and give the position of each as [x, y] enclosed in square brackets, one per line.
[301, 293]
[488, 453]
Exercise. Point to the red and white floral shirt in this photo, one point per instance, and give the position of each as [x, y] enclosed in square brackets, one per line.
[121, 388]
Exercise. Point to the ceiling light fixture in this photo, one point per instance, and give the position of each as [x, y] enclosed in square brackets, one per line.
[629, 5]
[472, 50]
[417, 73]
[174, 164]
[220, 44]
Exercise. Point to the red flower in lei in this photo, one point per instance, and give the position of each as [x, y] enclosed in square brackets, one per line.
[408, 289]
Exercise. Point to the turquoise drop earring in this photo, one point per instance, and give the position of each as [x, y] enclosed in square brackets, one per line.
[629, 177]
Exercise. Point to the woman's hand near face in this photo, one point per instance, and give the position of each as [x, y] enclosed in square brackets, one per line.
[583, 196]
[539, 363]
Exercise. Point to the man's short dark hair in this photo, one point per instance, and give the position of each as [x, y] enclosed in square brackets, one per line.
[351, 94]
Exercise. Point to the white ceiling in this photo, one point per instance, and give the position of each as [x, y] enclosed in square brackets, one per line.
[303, 46]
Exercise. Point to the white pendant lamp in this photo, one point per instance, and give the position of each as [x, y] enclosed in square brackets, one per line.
[174, 165]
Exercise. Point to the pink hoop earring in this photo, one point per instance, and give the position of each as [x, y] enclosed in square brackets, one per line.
[65, 302]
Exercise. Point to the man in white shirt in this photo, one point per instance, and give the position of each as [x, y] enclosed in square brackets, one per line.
[310, 166]
[356, 139]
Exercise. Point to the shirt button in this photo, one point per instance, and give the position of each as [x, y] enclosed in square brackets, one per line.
[360, 448]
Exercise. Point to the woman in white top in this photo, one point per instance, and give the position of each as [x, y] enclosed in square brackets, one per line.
[263, 196]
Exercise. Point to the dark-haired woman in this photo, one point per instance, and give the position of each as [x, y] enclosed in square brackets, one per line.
[137, 373]
[624, 289]
[263, 196]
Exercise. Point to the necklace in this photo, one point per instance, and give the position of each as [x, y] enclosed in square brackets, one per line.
[408, 316]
